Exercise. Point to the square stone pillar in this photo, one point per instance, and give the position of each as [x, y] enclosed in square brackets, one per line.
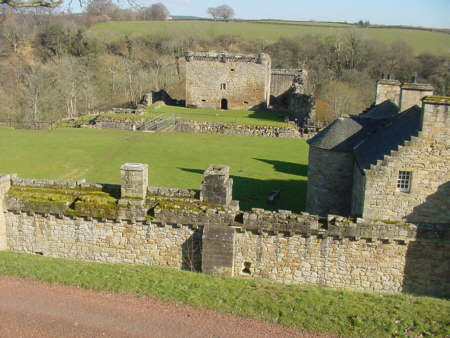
[217, 186]
[133, 180]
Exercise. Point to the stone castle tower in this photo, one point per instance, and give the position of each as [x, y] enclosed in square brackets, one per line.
[226, 81]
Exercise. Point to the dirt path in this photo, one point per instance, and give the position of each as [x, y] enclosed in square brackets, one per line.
[35, 309]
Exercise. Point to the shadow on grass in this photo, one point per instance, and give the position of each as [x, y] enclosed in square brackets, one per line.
[267, 115]
[287, 167]
[253, 193]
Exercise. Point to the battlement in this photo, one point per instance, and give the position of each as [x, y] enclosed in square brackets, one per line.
[226, 57]
[194, 230]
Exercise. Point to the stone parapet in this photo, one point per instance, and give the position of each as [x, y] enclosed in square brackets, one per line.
[225, 57]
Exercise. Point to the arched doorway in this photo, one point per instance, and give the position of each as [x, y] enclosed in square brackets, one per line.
[224, 104]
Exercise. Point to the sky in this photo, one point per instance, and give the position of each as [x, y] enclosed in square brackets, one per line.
[429, 13]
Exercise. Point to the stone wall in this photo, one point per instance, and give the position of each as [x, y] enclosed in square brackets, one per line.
[182, 229]
[282, 80]
[243, 81]
[105, 241]
[427, 157]
[366, 265]
[388, 90]
[428, 199]
[5, 183]
[186, 126]
[330, 179]
[413, 93]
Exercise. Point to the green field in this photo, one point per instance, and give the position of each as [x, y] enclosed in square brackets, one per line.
[322, 310]
[421, 41]
[259, 165]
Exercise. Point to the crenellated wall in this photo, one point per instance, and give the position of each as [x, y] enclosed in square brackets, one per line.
[186, 229]
[5, 183]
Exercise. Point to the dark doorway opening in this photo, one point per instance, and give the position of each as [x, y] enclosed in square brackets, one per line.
[224, 104]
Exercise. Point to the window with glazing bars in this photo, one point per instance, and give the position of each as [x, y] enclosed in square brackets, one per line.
[404, 181]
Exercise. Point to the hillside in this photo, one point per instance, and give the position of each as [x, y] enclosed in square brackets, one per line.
[421, 40]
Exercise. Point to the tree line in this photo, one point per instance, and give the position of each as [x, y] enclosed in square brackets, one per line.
[51, 67]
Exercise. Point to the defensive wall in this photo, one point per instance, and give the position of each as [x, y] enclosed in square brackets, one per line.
[205, 230]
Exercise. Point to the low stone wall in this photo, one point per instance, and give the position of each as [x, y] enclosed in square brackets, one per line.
[187, 126]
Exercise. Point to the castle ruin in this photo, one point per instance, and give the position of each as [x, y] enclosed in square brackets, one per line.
[227, 81]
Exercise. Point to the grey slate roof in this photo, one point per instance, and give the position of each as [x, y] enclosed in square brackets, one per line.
[384, 110]
[371, 135]
[344, 133]
[388, 138]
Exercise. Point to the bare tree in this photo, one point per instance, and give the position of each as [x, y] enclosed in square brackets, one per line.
[39, 3]
[224, 12]
[213, 12]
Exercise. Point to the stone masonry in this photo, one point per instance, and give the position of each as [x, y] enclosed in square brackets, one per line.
[217, 186]
[134, 180]
[5, 184]
[427, 158]
[388, 90]
[226, 81]
[183, 232]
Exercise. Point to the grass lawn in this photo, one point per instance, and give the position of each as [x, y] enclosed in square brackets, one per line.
[242, 117]
[310, 308]
[433, 42]
[259, 165]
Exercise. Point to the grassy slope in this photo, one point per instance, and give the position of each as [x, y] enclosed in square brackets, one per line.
[258, 165]
[434, 42]
[311, 308]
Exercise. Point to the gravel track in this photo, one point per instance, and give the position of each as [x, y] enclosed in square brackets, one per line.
[35, 309]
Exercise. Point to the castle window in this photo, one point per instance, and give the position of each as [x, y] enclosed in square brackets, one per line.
[223, 86]
[232, 69]
[404, 181]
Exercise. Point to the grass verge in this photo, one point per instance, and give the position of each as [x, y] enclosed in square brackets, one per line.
[305, 307]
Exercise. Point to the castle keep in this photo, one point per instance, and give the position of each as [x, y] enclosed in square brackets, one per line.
[226, 81]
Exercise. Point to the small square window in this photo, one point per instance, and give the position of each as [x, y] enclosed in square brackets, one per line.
[404, 181]
[223, 86]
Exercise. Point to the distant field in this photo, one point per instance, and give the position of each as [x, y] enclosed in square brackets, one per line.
[259, 165]
[433, 42]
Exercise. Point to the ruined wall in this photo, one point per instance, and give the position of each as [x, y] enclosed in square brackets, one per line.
[388, 90]
[282, 80]
[330, 179]
[427, 157]
[242, 80]
[186, 126]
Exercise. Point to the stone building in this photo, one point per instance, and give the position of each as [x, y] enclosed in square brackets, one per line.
[226, 81]
[388, 163]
